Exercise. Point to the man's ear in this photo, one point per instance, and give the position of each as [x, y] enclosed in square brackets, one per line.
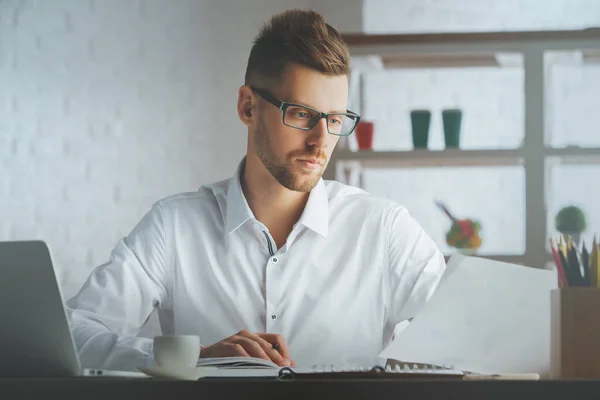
[245, 105]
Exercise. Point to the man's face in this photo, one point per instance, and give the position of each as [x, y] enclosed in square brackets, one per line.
[297, 158]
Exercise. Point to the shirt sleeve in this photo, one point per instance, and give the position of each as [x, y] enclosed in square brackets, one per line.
[119, 296]
[416, 266]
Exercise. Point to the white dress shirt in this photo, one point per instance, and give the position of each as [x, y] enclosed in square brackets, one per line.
[353, 267]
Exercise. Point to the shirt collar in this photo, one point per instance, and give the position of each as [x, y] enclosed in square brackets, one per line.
[315, 215]
[238, 210]
[316, 212]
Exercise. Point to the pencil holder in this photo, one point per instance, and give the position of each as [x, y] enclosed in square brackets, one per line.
[575, 333]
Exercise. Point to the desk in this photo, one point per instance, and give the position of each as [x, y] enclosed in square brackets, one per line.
[372, 389]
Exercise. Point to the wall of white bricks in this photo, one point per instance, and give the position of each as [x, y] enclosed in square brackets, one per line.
[409, 16]
[108, 105]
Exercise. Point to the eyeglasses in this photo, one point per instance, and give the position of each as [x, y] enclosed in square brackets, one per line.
[305, 118]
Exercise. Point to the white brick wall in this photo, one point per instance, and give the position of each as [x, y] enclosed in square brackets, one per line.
[384, 16]
[573, 107]
[108, 105]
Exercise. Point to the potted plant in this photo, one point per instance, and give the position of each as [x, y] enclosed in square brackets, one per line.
[570, 221]
[464, 234]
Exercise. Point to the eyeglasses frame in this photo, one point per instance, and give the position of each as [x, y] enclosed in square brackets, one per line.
[283, 106]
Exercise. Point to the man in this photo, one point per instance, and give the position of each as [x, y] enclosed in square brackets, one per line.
[273, 263]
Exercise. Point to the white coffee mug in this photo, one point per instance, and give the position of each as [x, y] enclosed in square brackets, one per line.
[176, 351]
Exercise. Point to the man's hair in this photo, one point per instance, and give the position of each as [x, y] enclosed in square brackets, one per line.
[296, 37]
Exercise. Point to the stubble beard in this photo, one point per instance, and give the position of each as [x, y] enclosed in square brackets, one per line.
[287, 173]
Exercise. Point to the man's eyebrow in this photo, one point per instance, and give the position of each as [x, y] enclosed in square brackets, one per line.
[301, 103]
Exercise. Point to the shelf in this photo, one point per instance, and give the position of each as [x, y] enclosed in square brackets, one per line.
[468, 158]
[452, 60]
[531, 51]
[360, 39]
[431, 158]
[440, 51]
[486, 41]
[591, 57]
[574, 155]
[479, 59]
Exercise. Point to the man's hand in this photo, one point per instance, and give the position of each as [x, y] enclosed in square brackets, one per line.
[267, 346]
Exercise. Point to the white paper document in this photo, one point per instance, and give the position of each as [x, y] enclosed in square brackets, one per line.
[486, 317]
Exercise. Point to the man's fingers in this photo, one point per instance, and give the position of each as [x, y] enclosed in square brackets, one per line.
[267, 347]
[236, 350]
[279, 341]
[253, 348]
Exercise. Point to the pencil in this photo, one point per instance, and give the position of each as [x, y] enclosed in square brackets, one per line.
[560, 271]
[571, 281]
[585, 264]
[562, 246]
[595, 264]
[574, 263]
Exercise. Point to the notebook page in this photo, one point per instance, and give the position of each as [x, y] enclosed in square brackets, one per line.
[250, 363]
[488, 317]
[235, 362]
[293, 372]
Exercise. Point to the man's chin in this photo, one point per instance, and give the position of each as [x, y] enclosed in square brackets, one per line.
[304, 182]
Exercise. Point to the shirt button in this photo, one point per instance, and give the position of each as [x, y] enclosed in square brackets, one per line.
[274, 316]
[275, 260]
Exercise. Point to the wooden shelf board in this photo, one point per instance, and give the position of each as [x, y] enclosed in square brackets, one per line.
[458, 59]
[360, 39]
[574, 155]
[439, 60]
[451, 60]
[431, 158]
[591, 56]
[457, 157]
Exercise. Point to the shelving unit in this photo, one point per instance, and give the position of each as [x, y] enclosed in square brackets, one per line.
[485, 49]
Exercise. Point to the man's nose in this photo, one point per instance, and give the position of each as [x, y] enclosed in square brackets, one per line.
[318, 134]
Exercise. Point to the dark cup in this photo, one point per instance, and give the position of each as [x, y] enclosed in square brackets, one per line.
[452, 119]
[420, 121]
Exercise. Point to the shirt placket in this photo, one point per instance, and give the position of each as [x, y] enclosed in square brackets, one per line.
[273, 270]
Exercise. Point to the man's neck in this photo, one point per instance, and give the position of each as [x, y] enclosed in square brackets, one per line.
[277, 207]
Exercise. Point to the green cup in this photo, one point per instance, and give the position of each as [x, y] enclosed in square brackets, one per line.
[452, 119]
[420, 121]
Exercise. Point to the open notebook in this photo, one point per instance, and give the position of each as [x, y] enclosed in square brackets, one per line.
[244, 367]
[248, 367]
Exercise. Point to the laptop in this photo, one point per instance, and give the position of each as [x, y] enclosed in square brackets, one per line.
[35, 336]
